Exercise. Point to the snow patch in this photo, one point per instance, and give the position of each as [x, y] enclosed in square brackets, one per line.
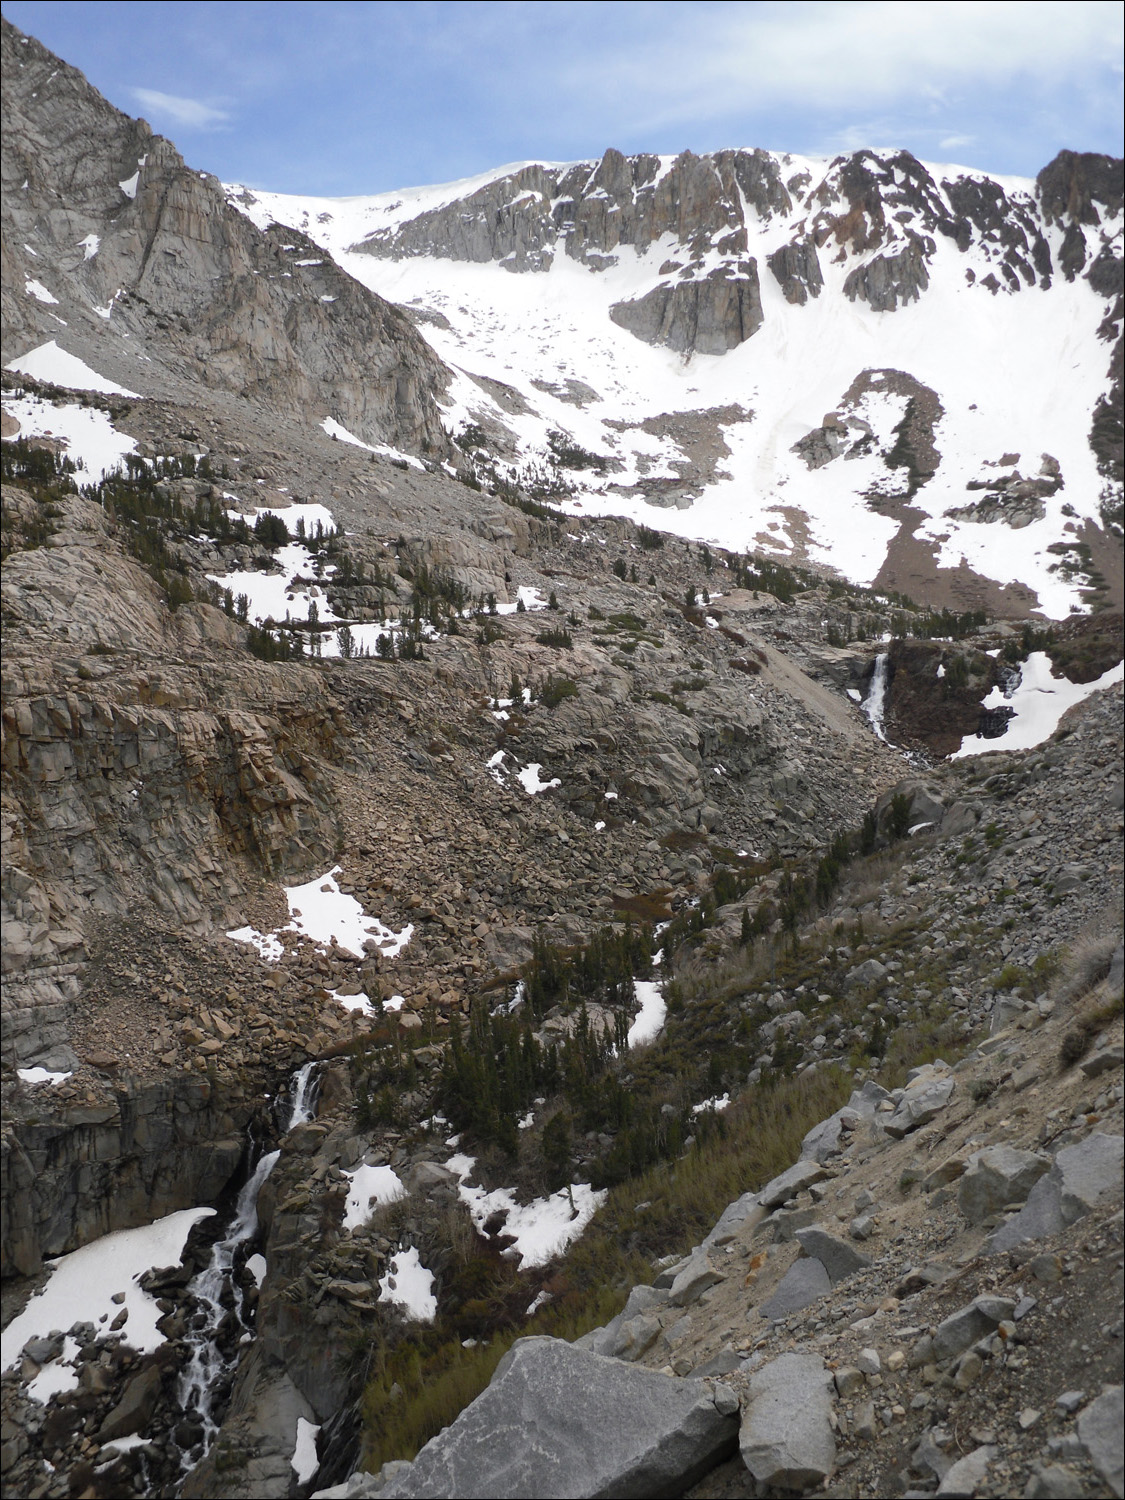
[82, 1285]
[41, 1075]
[37, 290]
[91, 439]
[370, 1186]
[50, 363]
[649, 1022]
[1039, 700]
[542, 1228]
[409, 1285]
[304, 1461]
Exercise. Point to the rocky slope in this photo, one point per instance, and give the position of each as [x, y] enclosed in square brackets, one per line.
[566, 727]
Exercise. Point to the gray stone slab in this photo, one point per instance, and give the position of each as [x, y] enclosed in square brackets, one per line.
[643, 1299]
[1080, 1177]
[836, 1256]
[962, 1328]
[804, 1282]
[967, 1475]
[920, 1104]
[786, 1436]
[996, 1176]
[795, 1179]
[744, 1213]
[697, 1277]
[559, 1421]
[1102, 1430]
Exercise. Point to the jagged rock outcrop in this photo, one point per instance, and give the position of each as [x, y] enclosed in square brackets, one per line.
[706, 316]
[91, 1168]
[134, 242]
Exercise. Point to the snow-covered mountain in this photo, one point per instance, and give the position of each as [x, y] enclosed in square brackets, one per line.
[905, 371]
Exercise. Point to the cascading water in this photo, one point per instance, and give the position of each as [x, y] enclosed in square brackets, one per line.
[874, 705]
[218, 1296]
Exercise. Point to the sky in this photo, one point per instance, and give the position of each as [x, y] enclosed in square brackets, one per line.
[338, 97]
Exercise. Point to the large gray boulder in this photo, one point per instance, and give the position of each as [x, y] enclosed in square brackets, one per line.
[746, 1212]
[836, 1256]
[982, 1315]
[996, 1176]
[786, 1435]
[559, 1421]
[804, 1282]
[1101, 1427]
[697, 1277]
[788, 1184]
[920, 1103]
[1080, 1177]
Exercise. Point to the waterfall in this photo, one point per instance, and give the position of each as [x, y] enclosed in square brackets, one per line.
[875, 702]
[219, 1327]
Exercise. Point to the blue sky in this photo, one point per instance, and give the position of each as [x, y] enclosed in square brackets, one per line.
[340, 98]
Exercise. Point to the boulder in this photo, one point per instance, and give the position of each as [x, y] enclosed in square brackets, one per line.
[870, 972]
[804, 1282]
[795, 1179]
[786, 1436]
[967, 1475]
[1102, 1427]
[557, 1420]
[1079, 1178]
[837, 1257]
[744, 1212]
[634, 1336]
[136, 1408]
[919, 1104]
[963, 1327]
[996, 1176]
[695, 1278]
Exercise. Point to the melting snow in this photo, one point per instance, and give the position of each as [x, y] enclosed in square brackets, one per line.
[41, 1075]
[410, 1286]
[91, 245]
[1039, 699]
[50, 363]
[83, 1283]
[324, 913]
[338, 430]
[531, 782]
[90, 437]
[305, 1462]
[256, 1265]
[37, 290]
[129, 186]
[542, 1228]
[719, 1102]
[370, 1187]
[650, 1019]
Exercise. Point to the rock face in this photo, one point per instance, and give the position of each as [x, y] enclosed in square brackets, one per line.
[559, 1421]
[158, 250]
[708, 315]
[93, 1168]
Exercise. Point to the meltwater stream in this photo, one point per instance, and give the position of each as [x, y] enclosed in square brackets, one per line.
[218, 1298]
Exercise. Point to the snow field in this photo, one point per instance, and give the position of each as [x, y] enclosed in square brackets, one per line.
[649, 1022]
[325, 914]
[1039, 700]
[81, 1289]
[1046, 371]
[50, 363]
[91, 439]
[542, 1228]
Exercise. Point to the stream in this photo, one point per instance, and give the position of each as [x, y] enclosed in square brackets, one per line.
[219, 1328]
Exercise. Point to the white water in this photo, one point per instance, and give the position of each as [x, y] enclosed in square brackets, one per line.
[217, 1292]
[874, 704]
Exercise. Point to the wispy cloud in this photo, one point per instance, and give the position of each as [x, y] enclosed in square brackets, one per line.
[188, 114]
[854, 55]
[951, 142]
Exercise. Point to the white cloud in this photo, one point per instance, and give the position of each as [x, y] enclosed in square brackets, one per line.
[858, 55]
[952, 142]
[191, 114]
